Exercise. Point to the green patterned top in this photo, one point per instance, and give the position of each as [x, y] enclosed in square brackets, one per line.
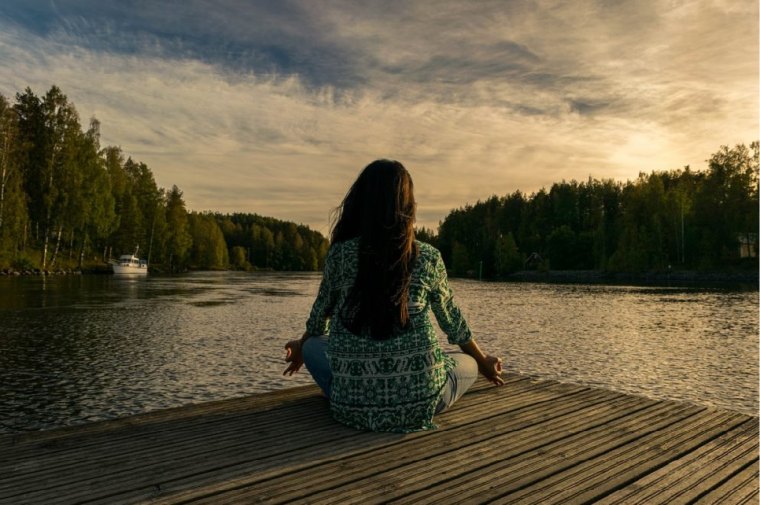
[396, 384]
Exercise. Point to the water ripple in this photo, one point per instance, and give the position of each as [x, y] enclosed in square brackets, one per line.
[84, 348]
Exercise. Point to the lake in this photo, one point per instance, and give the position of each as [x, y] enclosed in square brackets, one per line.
[76, 349]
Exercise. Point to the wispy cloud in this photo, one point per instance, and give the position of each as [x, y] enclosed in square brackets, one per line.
[274, 107]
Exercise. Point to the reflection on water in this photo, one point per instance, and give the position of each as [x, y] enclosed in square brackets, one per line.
[692, 344]
[83, 348]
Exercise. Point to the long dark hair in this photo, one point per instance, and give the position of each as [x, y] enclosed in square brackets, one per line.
[380, 210]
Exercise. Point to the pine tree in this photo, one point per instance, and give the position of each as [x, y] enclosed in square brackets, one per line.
[178, 228]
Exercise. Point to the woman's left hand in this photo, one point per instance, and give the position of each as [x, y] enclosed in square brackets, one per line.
[490, 367]
[294, 357]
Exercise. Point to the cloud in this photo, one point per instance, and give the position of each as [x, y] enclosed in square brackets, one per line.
[274, 107]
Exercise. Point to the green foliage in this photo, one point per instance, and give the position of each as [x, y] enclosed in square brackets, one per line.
[13, 205]
[61, 194]
[274, 244]
[460, 260]
[178, 238]
[65, 199]
[634, 253]
[507, 256]
[683, 218]
[237, 259]
[22, 262]
[584, 251]
[561, 248]
[426, 235]
[209, 250]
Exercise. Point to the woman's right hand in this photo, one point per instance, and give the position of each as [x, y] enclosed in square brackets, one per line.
[294, 357]
[490, 367]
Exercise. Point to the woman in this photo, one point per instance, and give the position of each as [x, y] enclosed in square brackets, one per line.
[369, 343]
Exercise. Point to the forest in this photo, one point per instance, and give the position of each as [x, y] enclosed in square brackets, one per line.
[680, 219]
[66, 202]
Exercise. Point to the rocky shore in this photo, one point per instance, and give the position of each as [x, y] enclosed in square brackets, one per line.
[526, 275]
[97, 270]
[37, 271]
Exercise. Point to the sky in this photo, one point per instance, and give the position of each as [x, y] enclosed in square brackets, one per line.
[274, 107]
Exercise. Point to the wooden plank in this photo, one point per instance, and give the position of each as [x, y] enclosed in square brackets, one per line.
[164, 462]
[531, 441]
[513, 473]
[27, 445]
[456, 419]
[260, 401]
[42, 459]
[685, 479]
[417, 470]
[599, 473]
[411, 485]
[71, 444]
[47, 464]
[740, 489]
[357, 469]
[130, 446]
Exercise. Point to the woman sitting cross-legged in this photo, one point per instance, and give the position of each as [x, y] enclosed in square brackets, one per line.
[369, 342]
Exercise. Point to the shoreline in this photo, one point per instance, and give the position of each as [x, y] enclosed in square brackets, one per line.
[600, 276]
[59, 271]
[101, 270]
[522, 276]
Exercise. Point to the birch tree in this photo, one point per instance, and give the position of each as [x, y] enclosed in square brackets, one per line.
[13, 212]
[46, 126]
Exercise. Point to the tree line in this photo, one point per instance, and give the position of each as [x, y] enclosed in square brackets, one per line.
[677, 219]
[66, 201]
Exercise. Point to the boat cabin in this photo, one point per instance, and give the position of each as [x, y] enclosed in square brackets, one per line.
[129, 260]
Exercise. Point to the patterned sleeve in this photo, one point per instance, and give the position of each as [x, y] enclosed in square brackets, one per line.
[448, 315]
[321, 311]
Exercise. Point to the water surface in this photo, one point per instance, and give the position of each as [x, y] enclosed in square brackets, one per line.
[75, 349]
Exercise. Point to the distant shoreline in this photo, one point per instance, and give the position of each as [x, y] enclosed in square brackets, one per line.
[601, 276]
[523, 276]
[62, 271]
[105, 270]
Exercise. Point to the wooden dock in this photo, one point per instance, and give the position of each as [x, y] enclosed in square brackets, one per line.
[531, 441]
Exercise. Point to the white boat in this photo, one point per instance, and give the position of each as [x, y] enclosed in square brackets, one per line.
[130, 264]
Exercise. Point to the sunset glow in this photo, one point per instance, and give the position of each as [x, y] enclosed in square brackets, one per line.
[274, 107]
